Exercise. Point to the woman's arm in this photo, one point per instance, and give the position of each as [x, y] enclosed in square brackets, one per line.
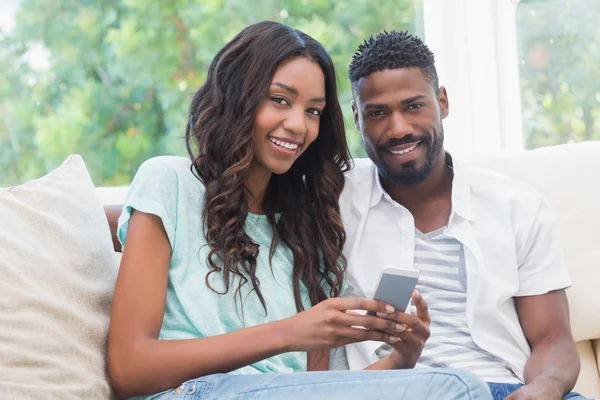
[139, 363]
[318, 360]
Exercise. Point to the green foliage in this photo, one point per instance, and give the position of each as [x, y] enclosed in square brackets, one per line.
[121, 73]
[559, 49]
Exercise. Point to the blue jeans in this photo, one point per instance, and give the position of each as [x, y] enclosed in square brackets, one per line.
[501, 390]
[331, 385]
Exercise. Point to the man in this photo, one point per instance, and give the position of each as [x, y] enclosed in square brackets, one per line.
[490, 264]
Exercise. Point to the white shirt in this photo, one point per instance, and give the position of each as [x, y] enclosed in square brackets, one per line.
[511, 249]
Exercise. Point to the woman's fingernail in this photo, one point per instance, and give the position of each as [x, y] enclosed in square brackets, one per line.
[400, 327]
[382, 315]
[389, 308]
[393, 339]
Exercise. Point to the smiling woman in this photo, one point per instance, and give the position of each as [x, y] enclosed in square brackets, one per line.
[287, 121]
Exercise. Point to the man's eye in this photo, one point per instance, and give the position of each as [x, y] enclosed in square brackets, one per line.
[415, 106]
[375, 113]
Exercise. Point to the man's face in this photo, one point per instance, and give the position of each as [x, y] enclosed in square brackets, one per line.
[399, 115]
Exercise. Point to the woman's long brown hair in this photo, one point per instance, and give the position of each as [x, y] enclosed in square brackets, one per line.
[219, 141]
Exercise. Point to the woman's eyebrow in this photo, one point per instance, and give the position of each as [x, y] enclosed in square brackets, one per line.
[295, 92]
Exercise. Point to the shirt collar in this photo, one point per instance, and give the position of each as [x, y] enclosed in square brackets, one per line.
[461, 190]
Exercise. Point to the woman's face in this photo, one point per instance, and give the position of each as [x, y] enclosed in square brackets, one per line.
[287, 120]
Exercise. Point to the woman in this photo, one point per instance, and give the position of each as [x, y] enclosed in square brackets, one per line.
[230, 255]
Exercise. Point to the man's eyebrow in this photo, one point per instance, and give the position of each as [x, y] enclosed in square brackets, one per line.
[377, 106]
[295, 92]
[412, 99]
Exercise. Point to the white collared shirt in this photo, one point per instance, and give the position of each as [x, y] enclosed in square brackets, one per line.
[511, 249]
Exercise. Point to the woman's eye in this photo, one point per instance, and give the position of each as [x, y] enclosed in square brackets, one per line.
[280, 100]
[315, 111]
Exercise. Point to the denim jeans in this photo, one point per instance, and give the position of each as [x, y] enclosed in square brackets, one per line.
[409, 384]
[501, 390]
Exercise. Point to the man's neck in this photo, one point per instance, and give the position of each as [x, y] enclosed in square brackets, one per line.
[429, 198]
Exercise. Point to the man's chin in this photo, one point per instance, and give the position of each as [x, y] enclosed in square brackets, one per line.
[407, 174]
[408, 179]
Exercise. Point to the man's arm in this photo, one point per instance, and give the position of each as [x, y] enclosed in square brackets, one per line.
[112, 215]
[552, 369]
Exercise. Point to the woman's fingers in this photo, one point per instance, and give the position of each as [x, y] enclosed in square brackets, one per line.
[373, 323]
[350, 334]
[359, 303]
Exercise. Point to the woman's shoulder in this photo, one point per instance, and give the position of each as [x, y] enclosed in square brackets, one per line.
[168, 171]
[166, 165]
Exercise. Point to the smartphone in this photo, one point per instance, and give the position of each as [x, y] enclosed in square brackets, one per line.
[395, 287]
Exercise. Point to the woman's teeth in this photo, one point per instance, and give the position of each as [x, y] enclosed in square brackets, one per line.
[284, 145]
[405, 151]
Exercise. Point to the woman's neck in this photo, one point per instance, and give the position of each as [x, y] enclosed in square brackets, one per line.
[256, 185]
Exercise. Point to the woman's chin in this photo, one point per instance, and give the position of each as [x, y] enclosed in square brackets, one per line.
[278, 167]
[280, 170]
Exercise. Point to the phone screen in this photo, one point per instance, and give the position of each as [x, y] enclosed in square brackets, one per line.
[396, 290]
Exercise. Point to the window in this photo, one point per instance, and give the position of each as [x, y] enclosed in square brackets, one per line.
[559, 54]
[112, 80]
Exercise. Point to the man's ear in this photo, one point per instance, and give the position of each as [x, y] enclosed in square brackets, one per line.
[443, 102]
[355, 114]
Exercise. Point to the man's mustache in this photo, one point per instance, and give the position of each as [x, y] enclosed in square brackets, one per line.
[408, 139]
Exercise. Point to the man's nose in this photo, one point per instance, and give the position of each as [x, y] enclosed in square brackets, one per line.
[399, 126]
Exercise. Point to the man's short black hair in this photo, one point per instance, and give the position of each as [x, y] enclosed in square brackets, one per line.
[392, 50]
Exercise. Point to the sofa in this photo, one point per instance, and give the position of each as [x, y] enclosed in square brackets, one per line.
[58, 268]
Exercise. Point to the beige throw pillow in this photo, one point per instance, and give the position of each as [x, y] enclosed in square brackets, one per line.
[57, 273]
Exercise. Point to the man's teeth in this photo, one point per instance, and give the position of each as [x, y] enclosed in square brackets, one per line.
[285, 145]
[399, 152]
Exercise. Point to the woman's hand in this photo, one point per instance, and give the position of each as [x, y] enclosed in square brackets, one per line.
[331, 323]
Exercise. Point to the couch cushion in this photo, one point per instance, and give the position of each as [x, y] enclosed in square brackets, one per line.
[588, 383]
[567, 175]
[58, 271]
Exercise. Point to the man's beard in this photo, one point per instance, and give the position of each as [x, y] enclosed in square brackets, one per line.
[409, 174]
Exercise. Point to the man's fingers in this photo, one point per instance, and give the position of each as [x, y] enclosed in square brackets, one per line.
[422, 308]
[413, 340]
[411, 322]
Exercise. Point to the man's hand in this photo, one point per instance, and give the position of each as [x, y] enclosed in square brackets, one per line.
[536, 390]
[408, 348]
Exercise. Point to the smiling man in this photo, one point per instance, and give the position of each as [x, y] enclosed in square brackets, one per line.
[490, 264]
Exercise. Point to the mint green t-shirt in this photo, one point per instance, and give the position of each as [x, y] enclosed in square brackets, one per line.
[166, 187]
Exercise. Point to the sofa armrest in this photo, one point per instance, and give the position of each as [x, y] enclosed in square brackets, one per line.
[112, 215]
